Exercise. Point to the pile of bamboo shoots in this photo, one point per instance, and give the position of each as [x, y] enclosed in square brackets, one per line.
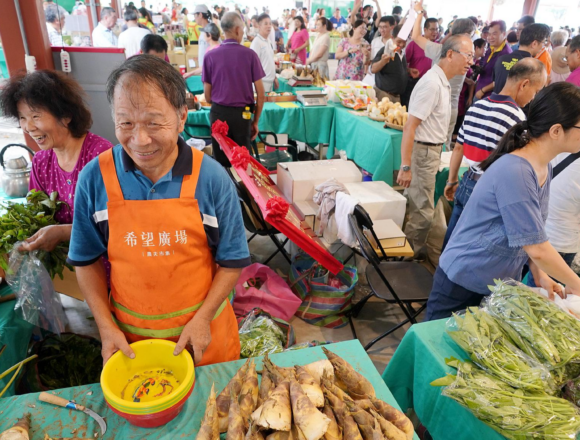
[325, 399]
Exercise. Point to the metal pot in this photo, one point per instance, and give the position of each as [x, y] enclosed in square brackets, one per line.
[16, 173]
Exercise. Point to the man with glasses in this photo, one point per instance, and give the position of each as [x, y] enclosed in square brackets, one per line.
[573, 59]
[434, 51]
[533, 39]
[425, 133]
[497, 47]
[523, 23]
[386, 25]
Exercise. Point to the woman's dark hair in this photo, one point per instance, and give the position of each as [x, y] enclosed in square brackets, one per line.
[49, 90]
[479, 43]
[326, 23]
[559, 103]
[301, 20]
[145, 13]
[183, 10]
[512, 37]
[354, 26]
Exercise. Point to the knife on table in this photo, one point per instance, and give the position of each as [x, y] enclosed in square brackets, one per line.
[59, 401]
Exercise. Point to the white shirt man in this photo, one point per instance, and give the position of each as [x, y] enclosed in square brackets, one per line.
[103, 35]
[130, 40]
[264, 48]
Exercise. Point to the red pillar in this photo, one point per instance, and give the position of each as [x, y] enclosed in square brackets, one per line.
[530, 7]
[36, 36]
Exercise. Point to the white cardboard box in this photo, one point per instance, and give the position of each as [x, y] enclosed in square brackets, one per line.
[297, 180]
[389, 234]
[379, 200]
[308, 209]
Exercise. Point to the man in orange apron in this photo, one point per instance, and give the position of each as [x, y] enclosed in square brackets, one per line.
[168, 218]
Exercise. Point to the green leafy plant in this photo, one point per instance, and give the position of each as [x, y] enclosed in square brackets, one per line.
[22, 221]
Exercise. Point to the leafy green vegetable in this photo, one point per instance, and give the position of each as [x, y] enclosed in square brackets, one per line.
[480, 335]
[536, 325]
[69, 360]
[260, 336]
[514, 413]
[22, 221]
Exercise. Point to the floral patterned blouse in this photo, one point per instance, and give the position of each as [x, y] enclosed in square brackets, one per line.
[353, 66]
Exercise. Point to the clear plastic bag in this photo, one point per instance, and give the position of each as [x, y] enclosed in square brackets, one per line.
[489, 347]
[535, 324]
[36, 300]
[260, 335]
[514, 413]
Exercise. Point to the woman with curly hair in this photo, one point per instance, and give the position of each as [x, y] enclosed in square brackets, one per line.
[50, 108]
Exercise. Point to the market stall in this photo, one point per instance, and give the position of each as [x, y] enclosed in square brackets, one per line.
[367, 142]
[59, 422]
[285, 87]
[305, 124]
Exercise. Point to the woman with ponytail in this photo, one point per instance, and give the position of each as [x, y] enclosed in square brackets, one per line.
[502, 227]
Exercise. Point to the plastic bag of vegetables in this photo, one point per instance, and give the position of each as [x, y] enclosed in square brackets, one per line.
[536, 325]
[262, 334]
[514, 413]
[480, 335]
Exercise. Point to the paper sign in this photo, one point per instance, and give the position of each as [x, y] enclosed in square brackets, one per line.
[157, 19]
[408, 26]
[191, 62]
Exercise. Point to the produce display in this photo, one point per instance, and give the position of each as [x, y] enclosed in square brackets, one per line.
[279, 94]
[524, 349]
[354, 100]
[260, 335]
[22, 221]
[325, 399]
[391, 112]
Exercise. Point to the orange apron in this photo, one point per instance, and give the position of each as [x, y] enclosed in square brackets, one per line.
[162, 267]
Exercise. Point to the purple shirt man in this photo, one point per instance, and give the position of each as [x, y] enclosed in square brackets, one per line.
[232, 69]
[230, 73]
[497, 47]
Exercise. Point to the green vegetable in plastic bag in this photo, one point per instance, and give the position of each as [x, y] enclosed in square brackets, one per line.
[260, 335]
[480, 335]
[514, 413]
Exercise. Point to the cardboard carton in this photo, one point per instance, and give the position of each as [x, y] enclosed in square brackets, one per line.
[308, 209]
[388, 233]
[379, 200]
[297, 180]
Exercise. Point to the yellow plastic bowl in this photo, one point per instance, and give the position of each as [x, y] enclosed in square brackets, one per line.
[151, 354]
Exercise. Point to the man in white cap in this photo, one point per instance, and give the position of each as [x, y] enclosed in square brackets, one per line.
[202, 17]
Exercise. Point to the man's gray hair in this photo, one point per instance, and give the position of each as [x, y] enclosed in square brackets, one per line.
[52, 14]
[150, 71]
[130, 14]
[230, 21]
[559, 38]
[106, 11]
[463, 26]
[452, 43]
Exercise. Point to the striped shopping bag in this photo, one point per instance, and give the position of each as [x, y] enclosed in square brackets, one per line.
[322, 304]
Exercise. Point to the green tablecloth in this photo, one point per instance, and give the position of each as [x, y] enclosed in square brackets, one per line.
[58, 422]
[15, 333]
[372, 147]
[305, 124]
[284, 87]
[3, 67]
[194, 84]
[420, 359]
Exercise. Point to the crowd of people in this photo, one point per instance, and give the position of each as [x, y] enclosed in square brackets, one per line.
[504, 98]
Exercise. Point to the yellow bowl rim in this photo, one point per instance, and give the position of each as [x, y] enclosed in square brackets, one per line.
[152, 409]
[117, 402]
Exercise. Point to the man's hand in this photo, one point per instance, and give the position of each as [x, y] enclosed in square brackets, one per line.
[114, 340]
[449, 192]
[418, 7]
[479, 94]
[254, 130]
[276, 84]
[46, 239]
[414, 73]
[196, 333]
[386, 57]
[469, 102]
[404, 178]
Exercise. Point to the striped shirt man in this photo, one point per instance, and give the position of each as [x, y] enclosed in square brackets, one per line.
[485, 123]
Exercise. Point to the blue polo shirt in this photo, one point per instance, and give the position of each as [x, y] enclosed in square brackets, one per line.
[216, 195]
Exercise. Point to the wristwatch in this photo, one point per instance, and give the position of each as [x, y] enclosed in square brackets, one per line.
[406, 168]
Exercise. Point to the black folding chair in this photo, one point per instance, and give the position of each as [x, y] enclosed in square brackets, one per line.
[283, 153]
[254, 221]
[396, 282]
